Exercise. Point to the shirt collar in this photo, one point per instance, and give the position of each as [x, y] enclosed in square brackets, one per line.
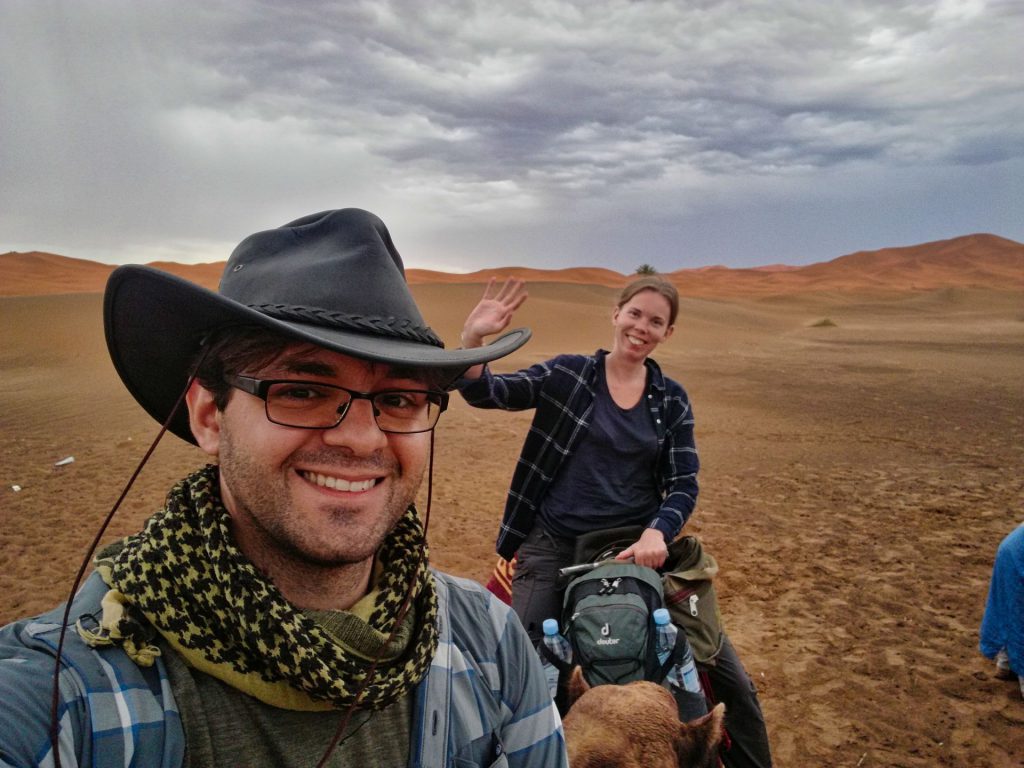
[657, 377]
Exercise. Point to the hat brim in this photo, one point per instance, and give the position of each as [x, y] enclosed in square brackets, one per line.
[155, 321]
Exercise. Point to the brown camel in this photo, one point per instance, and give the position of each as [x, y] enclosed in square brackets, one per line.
[636, 726]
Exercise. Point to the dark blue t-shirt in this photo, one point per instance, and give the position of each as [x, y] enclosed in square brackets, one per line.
[610, 478]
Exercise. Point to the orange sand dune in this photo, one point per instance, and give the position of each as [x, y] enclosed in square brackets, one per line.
[582, 275]
[981, 261]
[207, 275]
[36, 273]
[972, 261]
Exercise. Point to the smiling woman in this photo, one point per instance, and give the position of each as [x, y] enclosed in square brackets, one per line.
[633, 423]
[611, 445]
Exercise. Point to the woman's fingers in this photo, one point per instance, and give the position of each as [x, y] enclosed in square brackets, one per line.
[494, 311]
[511, 294]
[650, 553]
[488, 288]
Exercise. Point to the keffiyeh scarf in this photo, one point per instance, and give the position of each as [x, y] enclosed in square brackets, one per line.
[183, 577]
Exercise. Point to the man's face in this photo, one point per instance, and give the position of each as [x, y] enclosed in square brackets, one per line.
[320, 496]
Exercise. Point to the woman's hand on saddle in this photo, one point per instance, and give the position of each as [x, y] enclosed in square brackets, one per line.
[493, 313]
[650, 549]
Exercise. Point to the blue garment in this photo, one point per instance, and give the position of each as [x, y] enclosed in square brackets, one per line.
[562, 390]
[483, 702]
[1002, 626]
[612, 478]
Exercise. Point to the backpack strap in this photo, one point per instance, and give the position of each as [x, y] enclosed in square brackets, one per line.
[675, 657]
[564, 671]
[548, 655]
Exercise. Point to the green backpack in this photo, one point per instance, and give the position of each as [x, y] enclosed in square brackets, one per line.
[608, 620]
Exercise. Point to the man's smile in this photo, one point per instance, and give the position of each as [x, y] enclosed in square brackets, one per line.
[339, 483]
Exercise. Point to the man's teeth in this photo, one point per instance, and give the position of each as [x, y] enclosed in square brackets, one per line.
[338, 483]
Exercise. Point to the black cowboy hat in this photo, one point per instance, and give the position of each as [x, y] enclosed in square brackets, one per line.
[333, 279]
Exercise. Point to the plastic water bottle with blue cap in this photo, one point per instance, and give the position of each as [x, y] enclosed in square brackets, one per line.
[684, 674]
[560, 648]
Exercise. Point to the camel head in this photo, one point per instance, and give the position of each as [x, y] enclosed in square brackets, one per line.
[636, 726]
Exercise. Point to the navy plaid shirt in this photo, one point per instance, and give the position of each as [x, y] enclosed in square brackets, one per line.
[562, 391]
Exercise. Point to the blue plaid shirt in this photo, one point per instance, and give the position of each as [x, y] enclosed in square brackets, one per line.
[562, 390]
[483, 702]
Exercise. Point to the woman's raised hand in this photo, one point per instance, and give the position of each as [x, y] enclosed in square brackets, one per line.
[494, 311]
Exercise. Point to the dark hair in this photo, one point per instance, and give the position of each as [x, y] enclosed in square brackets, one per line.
[652, 283]
[240, 349]
[234, 350]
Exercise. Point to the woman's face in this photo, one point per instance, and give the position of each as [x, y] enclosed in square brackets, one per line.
[641, 324]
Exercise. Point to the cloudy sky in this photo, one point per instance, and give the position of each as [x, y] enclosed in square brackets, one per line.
[487, 133]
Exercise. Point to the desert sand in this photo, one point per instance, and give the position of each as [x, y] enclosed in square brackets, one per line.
[861, 433]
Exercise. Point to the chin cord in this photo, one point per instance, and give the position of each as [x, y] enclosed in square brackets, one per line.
[55, 700]
[409, 595]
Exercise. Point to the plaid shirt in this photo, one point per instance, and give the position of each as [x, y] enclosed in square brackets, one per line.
[483, 702]
[562, 390]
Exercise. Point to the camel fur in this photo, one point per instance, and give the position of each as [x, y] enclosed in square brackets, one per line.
[636, 726]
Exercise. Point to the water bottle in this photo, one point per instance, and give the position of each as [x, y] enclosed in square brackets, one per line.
[559, 646]
[684, 674]
[556, 642]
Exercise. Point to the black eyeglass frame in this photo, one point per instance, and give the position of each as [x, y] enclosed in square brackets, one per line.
[261, 388]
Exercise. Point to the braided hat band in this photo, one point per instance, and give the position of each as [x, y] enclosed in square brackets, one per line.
[393, 327]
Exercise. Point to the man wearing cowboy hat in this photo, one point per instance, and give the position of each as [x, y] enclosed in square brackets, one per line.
[279, 610]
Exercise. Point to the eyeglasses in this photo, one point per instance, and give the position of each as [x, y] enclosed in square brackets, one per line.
[312, 405]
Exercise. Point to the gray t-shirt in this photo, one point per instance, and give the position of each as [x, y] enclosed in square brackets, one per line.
[225, 727]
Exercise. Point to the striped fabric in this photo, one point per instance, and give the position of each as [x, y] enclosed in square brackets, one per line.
[113, 713]
[500, 583]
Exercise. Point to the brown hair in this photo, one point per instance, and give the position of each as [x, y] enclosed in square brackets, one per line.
[656, 284]
[234, 350]
[237, 349]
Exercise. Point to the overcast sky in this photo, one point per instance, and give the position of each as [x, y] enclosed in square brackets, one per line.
[492, 133]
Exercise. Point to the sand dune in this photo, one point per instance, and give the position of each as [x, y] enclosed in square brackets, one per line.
[35, 273]
[581, 275]
[973, 261]
[856, 477]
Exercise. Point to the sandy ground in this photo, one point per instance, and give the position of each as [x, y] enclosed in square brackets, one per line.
[856, 481]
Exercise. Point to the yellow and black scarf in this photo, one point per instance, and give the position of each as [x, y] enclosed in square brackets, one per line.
[183, 576]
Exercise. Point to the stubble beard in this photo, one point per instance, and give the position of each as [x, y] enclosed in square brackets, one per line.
[276, 532]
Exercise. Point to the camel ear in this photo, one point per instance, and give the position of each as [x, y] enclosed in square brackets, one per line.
[577, 685]
[699, 739]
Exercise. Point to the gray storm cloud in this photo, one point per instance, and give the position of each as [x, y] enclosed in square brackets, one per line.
[485, 133]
